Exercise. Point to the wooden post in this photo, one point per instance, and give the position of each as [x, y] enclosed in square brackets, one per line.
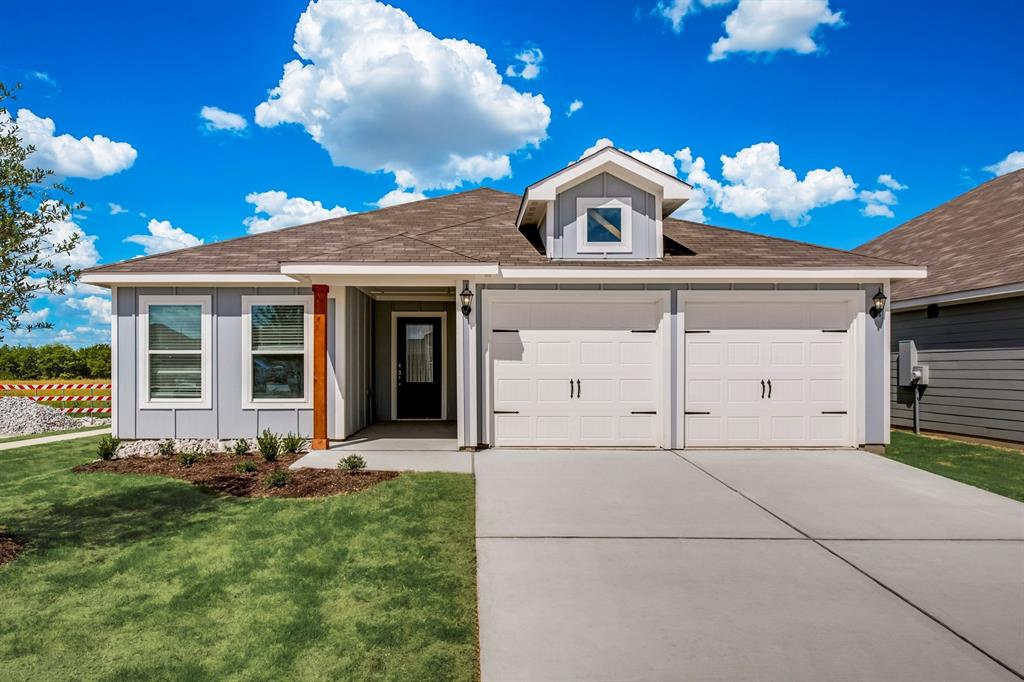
[319, 367]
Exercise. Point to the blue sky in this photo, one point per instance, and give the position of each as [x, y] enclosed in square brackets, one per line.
[844, 92]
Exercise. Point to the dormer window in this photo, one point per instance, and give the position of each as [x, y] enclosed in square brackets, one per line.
[604, 225]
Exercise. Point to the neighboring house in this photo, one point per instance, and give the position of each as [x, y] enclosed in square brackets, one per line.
[967, 317]
[579, 314]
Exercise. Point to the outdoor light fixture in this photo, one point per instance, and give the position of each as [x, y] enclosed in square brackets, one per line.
[879, 304]
[467, 299]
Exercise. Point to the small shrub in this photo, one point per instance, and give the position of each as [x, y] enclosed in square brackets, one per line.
[269, 445]
[352, 463]
[166, 447]
[241, 447]
[246, 467]
[107, 447]
[292, 443]
[278, 478]
[190, 457]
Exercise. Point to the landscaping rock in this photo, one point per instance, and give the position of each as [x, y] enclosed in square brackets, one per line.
[151, 448]
[22, 417]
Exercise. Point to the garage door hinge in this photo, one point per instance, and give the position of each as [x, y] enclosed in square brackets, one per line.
[833, 331]
[834, 412]
[506, 412]
[688, 412]
[643, 412]
[643, 331]
[697, 331]
[507, 331]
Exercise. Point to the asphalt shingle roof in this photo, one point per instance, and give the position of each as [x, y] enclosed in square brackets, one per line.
[477, 226]
[974, 241]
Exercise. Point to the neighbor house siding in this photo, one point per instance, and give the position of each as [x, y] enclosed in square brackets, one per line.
[975, 354]
[644, 219]
[225, 418]
[382, 353]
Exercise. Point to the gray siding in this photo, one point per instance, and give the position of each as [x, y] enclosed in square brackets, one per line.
[359, 341]
[645, 244]
[226, 418]
[975, 352]
[876, 428]
[382, 353]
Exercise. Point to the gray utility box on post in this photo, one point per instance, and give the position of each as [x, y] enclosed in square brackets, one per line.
[908, 371]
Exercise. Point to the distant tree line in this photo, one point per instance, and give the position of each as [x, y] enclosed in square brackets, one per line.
[55, 361]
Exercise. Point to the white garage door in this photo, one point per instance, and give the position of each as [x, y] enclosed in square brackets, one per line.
[575, 373]
[767, 374]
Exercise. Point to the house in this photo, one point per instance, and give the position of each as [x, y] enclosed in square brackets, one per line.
[577, 314]
[967, 317]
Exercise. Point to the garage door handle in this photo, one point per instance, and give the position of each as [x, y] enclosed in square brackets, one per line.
[579, 390]
[769, 389]
[762, 389]
[571, 394]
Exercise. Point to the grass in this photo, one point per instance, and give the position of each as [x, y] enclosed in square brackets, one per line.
[139, 577]
[994, 469]
[11, 439]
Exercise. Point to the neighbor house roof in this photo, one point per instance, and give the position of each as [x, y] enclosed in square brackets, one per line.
[477, 226]
[975, 241]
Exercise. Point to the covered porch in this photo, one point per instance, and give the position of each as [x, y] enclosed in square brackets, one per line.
[397, 446]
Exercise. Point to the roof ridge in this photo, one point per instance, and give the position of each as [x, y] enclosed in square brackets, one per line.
[792, 241]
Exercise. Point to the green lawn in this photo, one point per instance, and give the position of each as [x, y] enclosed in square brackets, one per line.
[11, 439]
[132, 577]
[994, 469]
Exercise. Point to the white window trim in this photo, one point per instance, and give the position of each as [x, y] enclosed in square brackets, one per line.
[206, 352]
[585, 246]
[250, 403]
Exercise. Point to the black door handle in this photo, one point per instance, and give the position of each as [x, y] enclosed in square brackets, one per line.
[769, 389]
[762, 389]
[570, 389]
[579, 391]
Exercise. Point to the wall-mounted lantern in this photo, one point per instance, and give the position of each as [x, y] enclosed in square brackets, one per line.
[879, 304]
[467, 300]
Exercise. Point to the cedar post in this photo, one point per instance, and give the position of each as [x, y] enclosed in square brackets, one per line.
[319, 367]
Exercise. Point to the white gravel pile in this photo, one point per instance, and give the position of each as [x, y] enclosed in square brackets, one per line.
[22, 417]
[151, 448]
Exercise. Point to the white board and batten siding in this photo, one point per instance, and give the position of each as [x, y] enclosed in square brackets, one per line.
[578, 370]
[758, 372]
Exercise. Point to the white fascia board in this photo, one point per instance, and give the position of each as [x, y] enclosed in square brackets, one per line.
[389, 269]
[1002, 291]
[713, 274]
[186, 278]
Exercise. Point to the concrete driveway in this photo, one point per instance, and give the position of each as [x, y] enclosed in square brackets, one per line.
[743, 565]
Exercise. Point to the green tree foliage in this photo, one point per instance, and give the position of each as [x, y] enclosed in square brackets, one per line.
[29, 205]
[54, 361]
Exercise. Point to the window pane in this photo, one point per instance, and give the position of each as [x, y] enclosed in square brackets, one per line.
[175, 376]
[175, 327]
[604, 225]
[278, 376]
[419, 353]
[277, 327]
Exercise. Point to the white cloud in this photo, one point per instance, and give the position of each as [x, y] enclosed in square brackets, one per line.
[379, 93]
[655, 157]
[673, 11]
[529, 60]
[163, 237]
[398, 196]
[574, 106]
[890, 182]
[756, 184]
[84, 253]
[87, 157]
[282, 211]
[1013, 161]
[218, 119]
[116, 209]
[34, 317]
[98, 307]
[771, 25]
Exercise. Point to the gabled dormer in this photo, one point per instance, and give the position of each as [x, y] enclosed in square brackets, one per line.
[608, 205]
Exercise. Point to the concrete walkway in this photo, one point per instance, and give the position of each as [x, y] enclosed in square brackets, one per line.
[397, 446]
[56, 438]
[647, 565]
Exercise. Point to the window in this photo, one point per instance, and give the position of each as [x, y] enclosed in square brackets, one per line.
[419, 353]
[604, 225]
[174, 351]
[276, 351]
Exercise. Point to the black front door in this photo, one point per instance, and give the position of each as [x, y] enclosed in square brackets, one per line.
[418, 394]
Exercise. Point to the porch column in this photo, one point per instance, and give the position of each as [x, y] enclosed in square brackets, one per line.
[319, 367]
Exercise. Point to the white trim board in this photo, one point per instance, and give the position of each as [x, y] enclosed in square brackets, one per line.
[721, 275]
[443, 314]
[299, 268]
[198, 279]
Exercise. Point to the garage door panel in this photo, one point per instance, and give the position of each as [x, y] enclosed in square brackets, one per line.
[787, 353]
[638, 428]
[638, 353]
[787, 391]
[828, 427]
[703, 354]
[553, 353]
[514, 390]
[703, 392]
[786, 429]
[739, 353]
[552, 390]
[638, 391]
[743, 429]
[553, 427]
[828, 392]
[745, 390]
[513, 428]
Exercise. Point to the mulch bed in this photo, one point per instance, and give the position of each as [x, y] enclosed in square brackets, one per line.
[217, 472]
[9, 549]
